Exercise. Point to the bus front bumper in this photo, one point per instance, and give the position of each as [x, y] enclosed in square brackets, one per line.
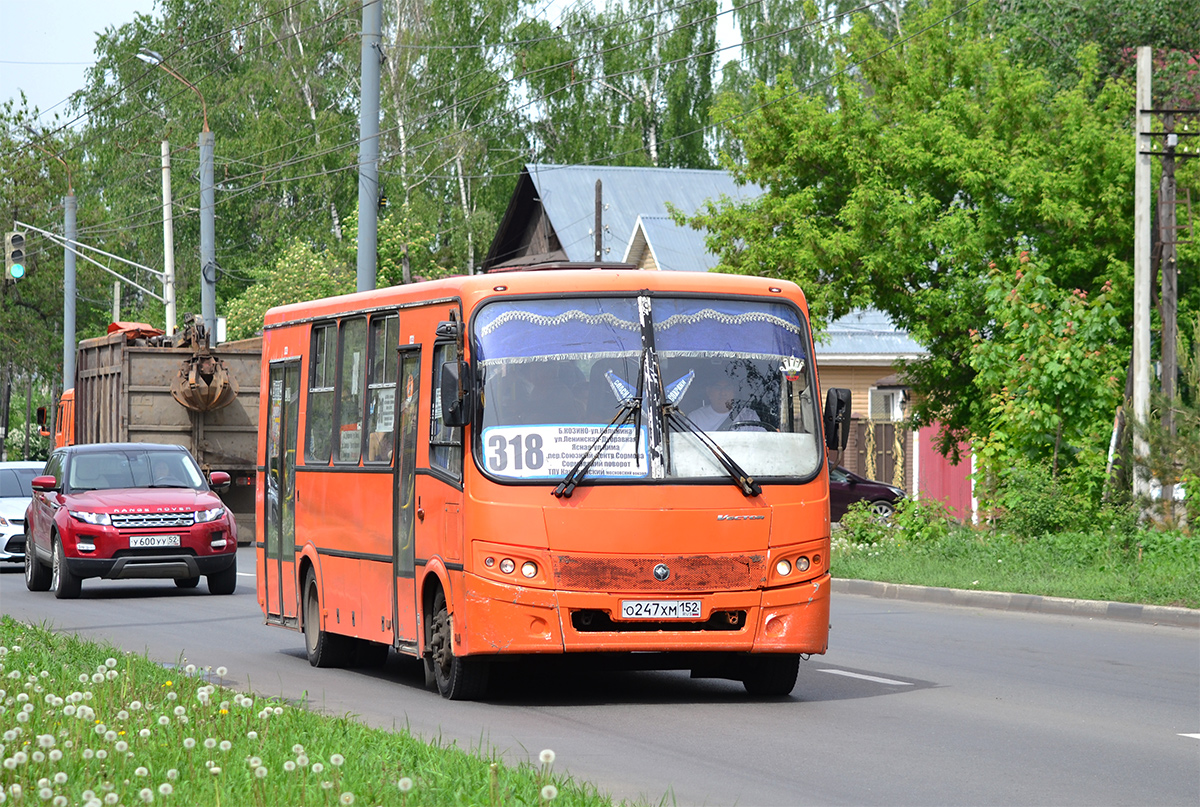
[507, 619]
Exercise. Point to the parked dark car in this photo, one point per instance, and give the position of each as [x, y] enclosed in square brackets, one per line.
[846, 488]
[128, 510]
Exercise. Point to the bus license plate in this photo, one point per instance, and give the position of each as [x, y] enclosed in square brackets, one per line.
[142, 541]
[660, 609]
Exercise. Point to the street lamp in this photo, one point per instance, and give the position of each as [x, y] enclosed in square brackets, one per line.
[208, 240]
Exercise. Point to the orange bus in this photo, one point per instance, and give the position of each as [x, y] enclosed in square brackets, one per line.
[605, 461]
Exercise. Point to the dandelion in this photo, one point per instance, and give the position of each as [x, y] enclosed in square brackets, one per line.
[547, 757]
[302, 760]
[179, 710]
[215, 770]
[164, 720]
[121, 746]
[38, 756]
[317, 767]
[225, 745]
[346, 798]
[278, 710]
[122, 715]
[190, 669]
[88, 753]
[549, 793]
[144, 733]
[327, 785]
[221, 672]
[60, 778]
[171, 696]
[135, 705]
[405, 784]
[336, 760]
[60, 801]
[210, 743]
[253, 735]
[45, 794]
[111, 798]
[297, 749]
[57, 755]
[101, 754]
[289, 766]
[147, 795]
[166, 789]
[112, 675]
[254, 762]
[189, 743]
[260, 772]
[172, 774]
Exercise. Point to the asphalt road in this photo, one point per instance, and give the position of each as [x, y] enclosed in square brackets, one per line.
[915, 703]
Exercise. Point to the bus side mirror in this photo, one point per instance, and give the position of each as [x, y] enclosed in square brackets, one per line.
[43, 430]
[454, 389]
[837, 419]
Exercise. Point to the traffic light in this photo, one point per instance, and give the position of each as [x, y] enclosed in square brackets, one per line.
[14, 255]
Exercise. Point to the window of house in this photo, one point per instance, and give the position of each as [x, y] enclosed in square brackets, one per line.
[886, 404]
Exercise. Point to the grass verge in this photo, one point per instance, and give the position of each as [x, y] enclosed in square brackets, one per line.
[85, 724]
[921, 546]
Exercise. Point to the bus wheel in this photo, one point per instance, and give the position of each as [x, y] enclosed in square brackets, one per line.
[324, 649]
[771, 675]
[457, 678]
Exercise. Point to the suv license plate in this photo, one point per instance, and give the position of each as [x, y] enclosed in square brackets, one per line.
[143, 541]
[660, 609]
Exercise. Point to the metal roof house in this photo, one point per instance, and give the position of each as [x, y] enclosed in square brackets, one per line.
[551, 215]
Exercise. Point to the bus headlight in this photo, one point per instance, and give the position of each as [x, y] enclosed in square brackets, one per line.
[507, 566]
[802, 564]
[529, 569]
[783, 568]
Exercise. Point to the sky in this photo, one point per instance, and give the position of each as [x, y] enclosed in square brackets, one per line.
[49, 44]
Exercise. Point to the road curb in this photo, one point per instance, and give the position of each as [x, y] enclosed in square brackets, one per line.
[1029, 603]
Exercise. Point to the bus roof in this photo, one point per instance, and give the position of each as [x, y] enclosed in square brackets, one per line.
[471, 288]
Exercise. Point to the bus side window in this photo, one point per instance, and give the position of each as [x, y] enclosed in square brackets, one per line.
[381, 401]
[445, 442]
[352, 383]
[319, 420]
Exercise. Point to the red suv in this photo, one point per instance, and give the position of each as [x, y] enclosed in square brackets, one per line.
[128, 510]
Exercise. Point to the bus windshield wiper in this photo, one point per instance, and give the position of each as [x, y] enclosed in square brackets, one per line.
[744, 481]
[628, 409]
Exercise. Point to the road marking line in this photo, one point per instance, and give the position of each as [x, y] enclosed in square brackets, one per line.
[1193, 736]
[869, 678]
[247, 574]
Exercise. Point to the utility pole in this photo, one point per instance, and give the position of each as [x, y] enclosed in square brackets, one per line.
[69, 290]
[1169, 297]
[208, 237]
[168, 241]
[598, 251]
[1141, 277]
[368, 146]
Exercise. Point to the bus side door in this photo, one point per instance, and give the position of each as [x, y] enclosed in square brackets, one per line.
[405, 603]
[279, 542]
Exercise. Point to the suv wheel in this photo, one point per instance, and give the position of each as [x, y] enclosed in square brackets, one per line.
[66, 585]
[37, 576]
[224, 581]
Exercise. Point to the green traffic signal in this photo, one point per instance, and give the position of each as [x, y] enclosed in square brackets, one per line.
[14, 255]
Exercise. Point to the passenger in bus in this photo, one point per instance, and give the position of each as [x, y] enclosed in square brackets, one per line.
[716, 414]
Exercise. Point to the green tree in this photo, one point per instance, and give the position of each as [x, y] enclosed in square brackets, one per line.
[940, 157]
[1047, 365]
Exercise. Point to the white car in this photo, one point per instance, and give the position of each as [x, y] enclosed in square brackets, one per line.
[15, 494]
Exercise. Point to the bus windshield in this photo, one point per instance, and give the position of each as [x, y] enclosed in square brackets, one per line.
[561, 377]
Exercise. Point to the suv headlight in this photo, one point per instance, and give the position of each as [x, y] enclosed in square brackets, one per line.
[97, 519]
[203, 516]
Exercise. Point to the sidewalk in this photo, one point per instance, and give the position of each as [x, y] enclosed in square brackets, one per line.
[1029, 603]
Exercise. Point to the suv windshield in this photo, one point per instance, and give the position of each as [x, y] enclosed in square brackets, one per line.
[554, 374]
[133, 468]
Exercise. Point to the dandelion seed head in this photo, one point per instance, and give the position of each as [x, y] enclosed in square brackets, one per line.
[144, 733]
[172, 774]
[60, 778]
[549, 792]
[166, 789]
[289, 766]
[210, 743]
[189, 743]
[221, 671]
[346, 798]
[146, 795]
[141, 771]
[260, 772]
[56, 755]
[405, 784]
[225, 745]
[317, 767]
[254, 762]
[253, 735]
[336, 760]
[547, 757]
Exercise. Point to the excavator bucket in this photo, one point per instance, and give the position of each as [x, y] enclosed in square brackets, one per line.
[203, 384]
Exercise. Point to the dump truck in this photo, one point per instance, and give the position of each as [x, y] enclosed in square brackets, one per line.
[137, 385]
